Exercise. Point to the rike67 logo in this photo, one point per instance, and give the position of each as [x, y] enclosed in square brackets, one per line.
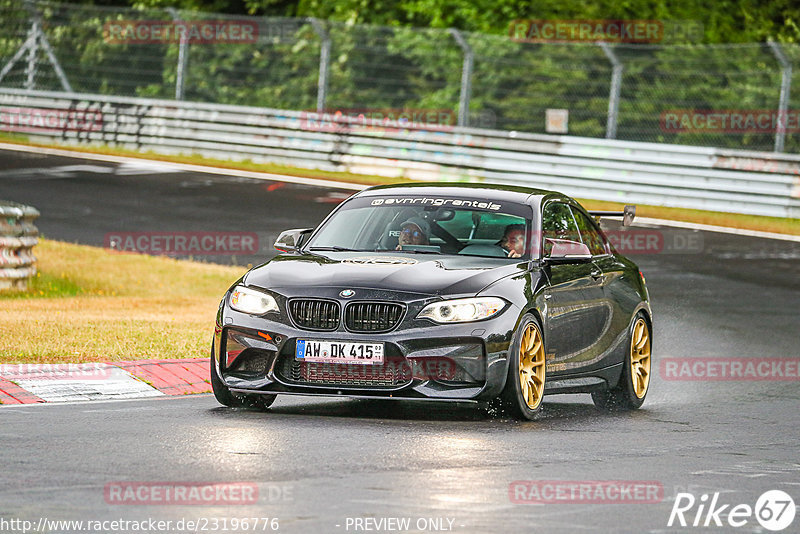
[774, 510]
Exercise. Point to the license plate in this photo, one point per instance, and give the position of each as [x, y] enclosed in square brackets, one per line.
[335, 352]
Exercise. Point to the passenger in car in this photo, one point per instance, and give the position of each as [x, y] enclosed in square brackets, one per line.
[513, 241]
[414, 232]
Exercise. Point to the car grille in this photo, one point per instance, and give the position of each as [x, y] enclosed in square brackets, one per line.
[372, 316]
[392, 373]
[315, 314]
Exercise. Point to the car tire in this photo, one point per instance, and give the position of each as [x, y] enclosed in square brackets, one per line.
[226, 397]
[634, 382]
[524, 389]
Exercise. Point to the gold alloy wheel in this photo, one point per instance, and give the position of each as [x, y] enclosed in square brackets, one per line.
[531, 366]
[640, 358]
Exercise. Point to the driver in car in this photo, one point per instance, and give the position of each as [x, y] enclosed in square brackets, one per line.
[513, 241]
[413, 232]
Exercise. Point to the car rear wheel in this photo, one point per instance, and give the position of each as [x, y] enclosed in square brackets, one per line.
[522, 395]
[228, 398]
[632, 388]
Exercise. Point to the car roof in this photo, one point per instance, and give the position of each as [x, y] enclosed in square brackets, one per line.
[504, 192]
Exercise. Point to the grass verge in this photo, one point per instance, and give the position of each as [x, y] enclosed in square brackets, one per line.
[732, 220]
[90, 304]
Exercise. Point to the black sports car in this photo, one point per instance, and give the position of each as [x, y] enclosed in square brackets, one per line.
[440, 292]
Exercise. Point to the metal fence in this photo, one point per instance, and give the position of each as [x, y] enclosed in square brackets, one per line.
[485, 81]
[621, 171]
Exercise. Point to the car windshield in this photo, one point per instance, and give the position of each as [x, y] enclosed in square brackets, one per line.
[428, 225]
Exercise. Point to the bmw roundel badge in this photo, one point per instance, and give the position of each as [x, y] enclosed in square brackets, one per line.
[346, 293]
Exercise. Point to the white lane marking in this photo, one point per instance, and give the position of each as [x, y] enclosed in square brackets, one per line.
[719, 229]
[65, 390]
[60, 171]
[185, 167]
[145, 166]
[117, 383]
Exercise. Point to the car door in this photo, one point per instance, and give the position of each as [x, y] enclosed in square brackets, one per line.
[573, 320]
[604, 313]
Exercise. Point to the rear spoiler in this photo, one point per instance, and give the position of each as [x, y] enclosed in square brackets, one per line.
[627, 214]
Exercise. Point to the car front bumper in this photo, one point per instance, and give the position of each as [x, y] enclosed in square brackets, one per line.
[423, 360]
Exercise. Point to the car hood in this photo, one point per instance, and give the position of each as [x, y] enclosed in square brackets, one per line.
[412, 273]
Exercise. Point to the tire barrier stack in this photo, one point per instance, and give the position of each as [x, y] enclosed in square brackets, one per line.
[18, 236]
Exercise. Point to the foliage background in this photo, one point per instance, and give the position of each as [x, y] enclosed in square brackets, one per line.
[401, 55]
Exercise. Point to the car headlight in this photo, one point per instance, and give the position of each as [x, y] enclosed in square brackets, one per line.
[462, 310]
[251, 301]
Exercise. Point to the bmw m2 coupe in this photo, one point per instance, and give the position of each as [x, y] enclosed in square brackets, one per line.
[440, 292]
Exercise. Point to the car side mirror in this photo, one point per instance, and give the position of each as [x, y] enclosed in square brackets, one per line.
[566, 251]
[290, 240]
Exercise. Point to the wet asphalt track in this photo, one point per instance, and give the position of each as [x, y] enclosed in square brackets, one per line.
[320, 462]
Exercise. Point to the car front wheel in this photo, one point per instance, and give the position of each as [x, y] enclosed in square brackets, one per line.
[522, 395]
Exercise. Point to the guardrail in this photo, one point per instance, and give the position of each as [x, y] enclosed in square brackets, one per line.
[18, 236]
[758, 183]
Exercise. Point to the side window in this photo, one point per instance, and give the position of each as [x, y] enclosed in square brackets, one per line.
[557, 223]
[589, 234]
